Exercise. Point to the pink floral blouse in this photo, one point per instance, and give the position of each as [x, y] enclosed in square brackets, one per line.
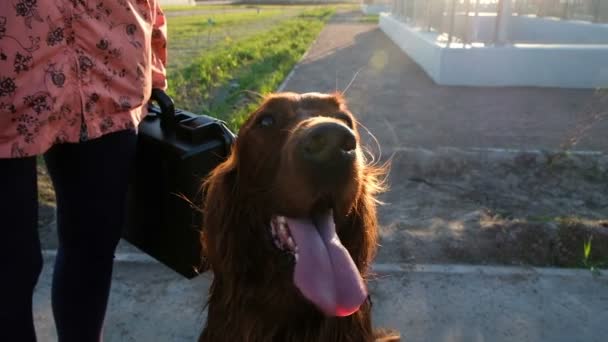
[72, 70]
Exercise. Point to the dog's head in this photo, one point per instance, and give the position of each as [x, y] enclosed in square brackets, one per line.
[293, 207]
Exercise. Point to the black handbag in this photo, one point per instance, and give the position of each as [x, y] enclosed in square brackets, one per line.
[176, 150]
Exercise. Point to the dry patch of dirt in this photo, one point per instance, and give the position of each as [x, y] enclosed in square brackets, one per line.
[456, 206]
[46, 208]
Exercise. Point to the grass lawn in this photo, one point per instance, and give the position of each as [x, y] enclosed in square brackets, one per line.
[371, 18]
[219, 81]
[191, 36]
[181, 8]
[169, 9]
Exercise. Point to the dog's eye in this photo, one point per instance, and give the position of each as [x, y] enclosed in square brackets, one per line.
[266, 121]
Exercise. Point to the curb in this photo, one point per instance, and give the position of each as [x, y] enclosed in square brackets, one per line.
[402, 268]
[506, 151]
[391, 268]
[134, 258]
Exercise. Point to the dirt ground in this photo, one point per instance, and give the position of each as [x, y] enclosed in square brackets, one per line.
[449, 205]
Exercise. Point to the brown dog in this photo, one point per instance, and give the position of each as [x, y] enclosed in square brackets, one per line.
[290, 227]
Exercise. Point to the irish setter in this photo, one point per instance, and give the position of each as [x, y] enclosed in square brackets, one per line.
[290, 227]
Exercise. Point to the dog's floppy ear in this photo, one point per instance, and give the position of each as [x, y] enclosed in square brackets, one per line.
[359, 234]
[220, 214]
[231, 215]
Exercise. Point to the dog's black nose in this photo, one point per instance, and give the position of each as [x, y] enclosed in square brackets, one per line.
[328, 141]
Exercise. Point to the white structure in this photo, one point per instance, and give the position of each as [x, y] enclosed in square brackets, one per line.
[516, 51]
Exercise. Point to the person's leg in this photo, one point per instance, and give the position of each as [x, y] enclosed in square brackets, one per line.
[91, 180]
[20, 256]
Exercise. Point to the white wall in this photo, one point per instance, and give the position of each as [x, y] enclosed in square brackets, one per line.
[420, 46]
[557, 65]
[526, 65]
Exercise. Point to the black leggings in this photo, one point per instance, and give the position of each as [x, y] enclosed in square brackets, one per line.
[90, 180]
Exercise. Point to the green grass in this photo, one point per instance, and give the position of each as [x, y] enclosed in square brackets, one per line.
[582, 243]
[216, 82]
[181, 8]
[182, 28]
[191, 36]
[243, 6]
[371, 18]
[594, 267]
[195, 34]
[176, 8]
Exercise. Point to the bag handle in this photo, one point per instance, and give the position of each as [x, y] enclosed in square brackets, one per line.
[167, 108]
[168, 119]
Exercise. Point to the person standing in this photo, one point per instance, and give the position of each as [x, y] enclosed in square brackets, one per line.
[75, 78]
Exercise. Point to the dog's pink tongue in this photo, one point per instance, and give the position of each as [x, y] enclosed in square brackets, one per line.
[325, 273]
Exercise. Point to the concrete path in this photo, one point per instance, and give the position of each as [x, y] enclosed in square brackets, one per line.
[150, 303]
